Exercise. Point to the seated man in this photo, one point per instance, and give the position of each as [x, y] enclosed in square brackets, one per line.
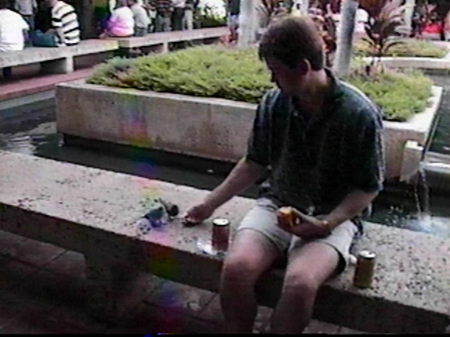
[322, 141]
[65, 29]
[12, 27]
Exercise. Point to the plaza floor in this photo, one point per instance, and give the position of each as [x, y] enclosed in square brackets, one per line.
[42, 291]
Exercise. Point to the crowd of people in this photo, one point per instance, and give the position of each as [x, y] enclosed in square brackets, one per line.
[124, 18]
[52, 24]
[55, 23]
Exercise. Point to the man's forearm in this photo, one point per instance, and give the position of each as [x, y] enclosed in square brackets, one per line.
[60, 33]
[243, 175]
[353, 204]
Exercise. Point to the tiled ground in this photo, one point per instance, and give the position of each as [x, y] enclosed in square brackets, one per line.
[22, 87]
[42, 291]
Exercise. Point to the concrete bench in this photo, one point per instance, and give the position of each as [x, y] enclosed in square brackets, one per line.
[164, 38]
[92, 211]
[56, 60]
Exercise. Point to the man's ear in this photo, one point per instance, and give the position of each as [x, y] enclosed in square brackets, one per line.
[303, 67]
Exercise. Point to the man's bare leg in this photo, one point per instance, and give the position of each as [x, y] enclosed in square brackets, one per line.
[308, 268]
[251, 254]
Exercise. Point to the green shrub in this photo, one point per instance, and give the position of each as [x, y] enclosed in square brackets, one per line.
[400, 94]
[207, 71]
[234, 74]
[111, 73]
[411, 48]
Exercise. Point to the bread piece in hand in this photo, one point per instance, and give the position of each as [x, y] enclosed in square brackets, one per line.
[288, 215]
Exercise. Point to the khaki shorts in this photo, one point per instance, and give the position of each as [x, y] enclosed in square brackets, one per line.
[262, 218]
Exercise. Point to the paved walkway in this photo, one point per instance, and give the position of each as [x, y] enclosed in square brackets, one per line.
[27, 79]
[42, 292]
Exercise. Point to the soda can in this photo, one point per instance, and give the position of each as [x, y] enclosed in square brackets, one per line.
[220, 234]
[365, 267]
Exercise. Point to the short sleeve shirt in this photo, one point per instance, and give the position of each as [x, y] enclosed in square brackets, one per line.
[140, 15]
[12, 26]
[63, 16]
[315, 162]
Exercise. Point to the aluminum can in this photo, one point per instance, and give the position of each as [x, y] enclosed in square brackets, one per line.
[220, 234]
[365, 267]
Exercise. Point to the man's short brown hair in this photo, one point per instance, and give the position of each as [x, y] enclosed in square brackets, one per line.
[291, 39]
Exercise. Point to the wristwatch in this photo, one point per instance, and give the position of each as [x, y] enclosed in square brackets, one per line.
[327, 225]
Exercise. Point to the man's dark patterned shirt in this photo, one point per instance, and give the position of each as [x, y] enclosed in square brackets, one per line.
[315, 162]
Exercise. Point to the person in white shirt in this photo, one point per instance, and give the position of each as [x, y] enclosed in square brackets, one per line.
[12, 28]
[121, 22]
[141, 19]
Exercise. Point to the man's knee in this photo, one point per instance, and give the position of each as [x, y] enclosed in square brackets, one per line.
[238, 267]
[250, 255]
[300, 285]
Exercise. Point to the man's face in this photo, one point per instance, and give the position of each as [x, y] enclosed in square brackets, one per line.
[290, 80]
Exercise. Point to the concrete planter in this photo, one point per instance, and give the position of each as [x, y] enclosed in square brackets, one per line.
[426, 63]
[204, 127]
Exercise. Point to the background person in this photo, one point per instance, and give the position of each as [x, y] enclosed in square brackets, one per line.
[28, 9]
[178, 14]
[188, 20]
[141, 19]
[163, 20]
[65, 28]
[12, 27]
[121, 23]
[233, 8]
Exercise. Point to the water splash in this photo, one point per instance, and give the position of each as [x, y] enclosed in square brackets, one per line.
[422, 198]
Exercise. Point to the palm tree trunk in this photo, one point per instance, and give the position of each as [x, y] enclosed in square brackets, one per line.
[247, 17]
[408, 14]
[304, 7]
[345, 37]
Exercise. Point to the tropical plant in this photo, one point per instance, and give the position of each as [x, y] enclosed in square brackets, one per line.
[268, 10]
[373, 7]
[381, 28]
[327, 28]
[270, 6]
[427, 12]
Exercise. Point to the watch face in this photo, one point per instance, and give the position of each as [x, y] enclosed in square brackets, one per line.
[326, 224]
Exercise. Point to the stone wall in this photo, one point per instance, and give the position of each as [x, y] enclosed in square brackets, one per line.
[204, 127]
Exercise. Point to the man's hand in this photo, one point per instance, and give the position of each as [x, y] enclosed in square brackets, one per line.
[305, 226]
[198, 213]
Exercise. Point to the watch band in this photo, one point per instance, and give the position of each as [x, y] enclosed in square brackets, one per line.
[327, 225]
